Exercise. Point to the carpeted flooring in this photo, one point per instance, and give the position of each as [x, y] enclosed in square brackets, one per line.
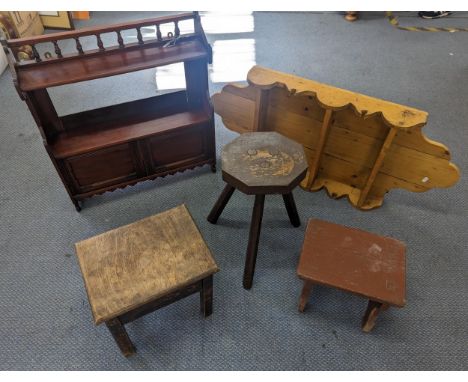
[45, 320]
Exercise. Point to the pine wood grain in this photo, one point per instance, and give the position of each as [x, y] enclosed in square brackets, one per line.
[345, 156]
[336, 98]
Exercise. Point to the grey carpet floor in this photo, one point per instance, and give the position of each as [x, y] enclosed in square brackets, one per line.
[45, 320]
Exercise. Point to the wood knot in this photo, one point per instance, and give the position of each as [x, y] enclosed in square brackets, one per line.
[407, 113]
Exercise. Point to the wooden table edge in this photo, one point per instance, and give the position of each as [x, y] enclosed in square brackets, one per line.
[100, 320]
[392, 303]
[403, 244]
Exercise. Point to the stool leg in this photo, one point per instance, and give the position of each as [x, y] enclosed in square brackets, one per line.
[372, 311]
[254, 236]
[77, 204]
[220, 204]
[292, 210]
[121, 337]
[206, 296]
[306, 289]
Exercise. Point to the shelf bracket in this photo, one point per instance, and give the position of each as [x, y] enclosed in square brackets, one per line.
[314, 167]
[261, 110]
[377, 164]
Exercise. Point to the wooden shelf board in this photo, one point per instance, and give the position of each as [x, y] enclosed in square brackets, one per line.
[357, 156]
[84, 68]
[97, 129]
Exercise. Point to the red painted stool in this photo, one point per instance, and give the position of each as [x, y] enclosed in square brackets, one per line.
[355, 261]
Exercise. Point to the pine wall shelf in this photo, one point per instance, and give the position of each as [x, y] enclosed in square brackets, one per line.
[111, 147]
[357, 146]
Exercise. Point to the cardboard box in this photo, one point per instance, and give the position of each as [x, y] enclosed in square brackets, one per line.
[25, 23]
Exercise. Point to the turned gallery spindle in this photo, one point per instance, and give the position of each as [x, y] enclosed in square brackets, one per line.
[176, 29]
[158, 32]
[120, 40]
[139, 36]
[36, 55]
[99, 43]
[58, 52]
[79, 48]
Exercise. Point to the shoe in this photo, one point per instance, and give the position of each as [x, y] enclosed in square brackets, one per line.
[433, 15]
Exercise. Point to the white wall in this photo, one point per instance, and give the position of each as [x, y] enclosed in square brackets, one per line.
[3, 60]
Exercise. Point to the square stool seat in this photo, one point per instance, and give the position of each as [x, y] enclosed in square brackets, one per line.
[355, 261]
[135, 269]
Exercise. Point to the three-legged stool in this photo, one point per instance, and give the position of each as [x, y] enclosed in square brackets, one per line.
[260, 164]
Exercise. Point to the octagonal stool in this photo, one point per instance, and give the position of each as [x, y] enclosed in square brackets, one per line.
[355, 261]
[135, 269]
[260, 164]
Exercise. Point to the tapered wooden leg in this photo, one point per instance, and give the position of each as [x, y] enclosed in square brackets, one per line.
[77, 204]
[306, 289]
[292, 210]
[121, 337]
[372, 311]
[254, 236]
[220, 204]
[206, 296]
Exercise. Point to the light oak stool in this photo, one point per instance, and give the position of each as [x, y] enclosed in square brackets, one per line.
[133, 270]
[355, 261]
[260, 164]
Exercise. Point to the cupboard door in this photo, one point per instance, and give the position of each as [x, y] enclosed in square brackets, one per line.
[178, 149]
[103, 168]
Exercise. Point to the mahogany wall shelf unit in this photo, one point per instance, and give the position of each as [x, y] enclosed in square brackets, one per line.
[111, 147]
[357, 146]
